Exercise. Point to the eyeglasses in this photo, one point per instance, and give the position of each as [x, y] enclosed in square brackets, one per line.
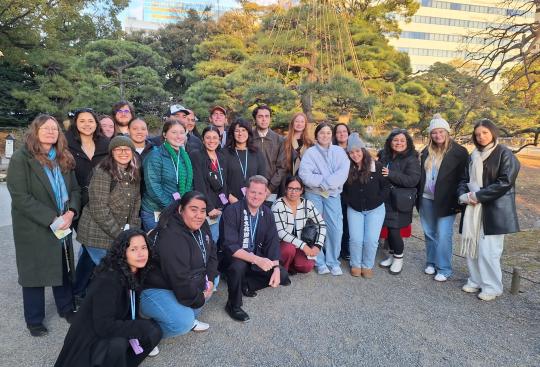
[49, 129]
[122, 150]
[125, 112]
[294, 189]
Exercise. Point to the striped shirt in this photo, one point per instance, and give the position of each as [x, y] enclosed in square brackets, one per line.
[286, 222]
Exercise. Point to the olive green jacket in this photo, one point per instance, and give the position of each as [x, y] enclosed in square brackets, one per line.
[33, 208]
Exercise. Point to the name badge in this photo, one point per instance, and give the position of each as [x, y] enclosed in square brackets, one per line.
[137, 349]
[223, 199]
[176, 196]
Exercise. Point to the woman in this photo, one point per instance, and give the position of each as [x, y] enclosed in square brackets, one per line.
[296, 142]
[488, 189]
[364, 193]
[106, 126]
[107, 329]
[210, 177]
[291, 212]
[168, 173]
[442, 162]
[402, 169]
[138, 132]
[43, 190]
[324, 169]
[341, 134]
[185, 267]
[243, 159]
[88, 148]
[114, 199]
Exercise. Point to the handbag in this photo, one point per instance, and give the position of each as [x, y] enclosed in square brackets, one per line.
[403, 198]
[310, 231]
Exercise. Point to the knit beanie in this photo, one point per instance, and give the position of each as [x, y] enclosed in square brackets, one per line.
[438, 123]
[354, 142]
[121, 141]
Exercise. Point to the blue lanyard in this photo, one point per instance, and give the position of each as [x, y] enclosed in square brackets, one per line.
[253, 229]
[243, 168]
[132, 299]
[200, 243]
[176, 165]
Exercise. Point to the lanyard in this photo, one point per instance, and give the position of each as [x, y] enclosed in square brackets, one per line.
[200, 243]
[219, 170]
[132, 300]
[176, 165]
[253, 229]
[242, 167]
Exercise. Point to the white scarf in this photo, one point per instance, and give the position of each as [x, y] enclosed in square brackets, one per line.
[473, 213]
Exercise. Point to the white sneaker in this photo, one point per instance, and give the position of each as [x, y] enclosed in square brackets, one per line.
[487, 296]
[336, 271]
[154, 352]
[429, 270]
[440, 278]
[387, 262]
[397, 265]
[321, 270]
[200, 326]
[469, 288]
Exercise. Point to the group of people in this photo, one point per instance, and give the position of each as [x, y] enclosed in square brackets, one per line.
[163, 219]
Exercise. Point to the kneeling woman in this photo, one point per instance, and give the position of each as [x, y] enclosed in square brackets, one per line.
[186, 260]
[106, 331]
[291, 212]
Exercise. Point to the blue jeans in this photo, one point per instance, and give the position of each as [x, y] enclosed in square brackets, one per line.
[330, 208]
[148, 221]
[364, 230]
[438, 233]
[214, 230]
[173, 317]
[96, 253]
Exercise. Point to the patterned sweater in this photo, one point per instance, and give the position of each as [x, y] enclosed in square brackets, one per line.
[286, 222]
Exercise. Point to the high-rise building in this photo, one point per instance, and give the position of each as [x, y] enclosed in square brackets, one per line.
[438, 31]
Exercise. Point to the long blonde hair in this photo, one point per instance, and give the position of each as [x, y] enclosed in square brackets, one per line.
[306, 140]
[437, 153]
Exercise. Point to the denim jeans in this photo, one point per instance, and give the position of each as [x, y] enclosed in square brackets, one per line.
[96, 253]
[438, 233]
[173, 317]
[330, 208]
[364, 230]
[148, 221]
[214, 230]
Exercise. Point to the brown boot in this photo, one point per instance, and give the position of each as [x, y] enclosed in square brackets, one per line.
[356, 272]
[367, 273]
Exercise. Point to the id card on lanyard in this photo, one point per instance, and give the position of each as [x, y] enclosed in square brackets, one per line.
[135, 345]
[244, 169]
[176, 195]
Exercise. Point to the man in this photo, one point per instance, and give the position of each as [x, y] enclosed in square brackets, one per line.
[181, 114]
[272, 147]
[218, 118]
[122, 113]
[250, 245]
[191, 124]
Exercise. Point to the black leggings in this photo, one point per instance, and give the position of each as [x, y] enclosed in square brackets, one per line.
[395, 241]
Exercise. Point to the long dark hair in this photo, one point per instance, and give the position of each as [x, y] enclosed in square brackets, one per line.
[172, 209]
[109, 165]
[231, 142]
[389, 153]
[73, 125]
[488, 124]
[334, 131]
[361, 173]
[116, 259]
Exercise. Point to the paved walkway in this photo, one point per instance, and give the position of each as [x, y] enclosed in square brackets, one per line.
[405, 320]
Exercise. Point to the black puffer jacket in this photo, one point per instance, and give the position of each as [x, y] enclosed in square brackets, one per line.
[404, 171]
[498, 194]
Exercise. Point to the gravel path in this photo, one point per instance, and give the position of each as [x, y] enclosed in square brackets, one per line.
[405, 320]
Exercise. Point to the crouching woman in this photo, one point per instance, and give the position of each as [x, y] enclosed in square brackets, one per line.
[106, 330]
[185, 266]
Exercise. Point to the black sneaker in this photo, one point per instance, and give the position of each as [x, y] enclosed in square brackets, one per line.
[236, 313]
[37, 330]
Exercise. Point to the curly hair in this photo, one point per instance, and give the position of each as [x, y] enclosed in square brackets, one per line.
[116, 260]
[411, 150]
